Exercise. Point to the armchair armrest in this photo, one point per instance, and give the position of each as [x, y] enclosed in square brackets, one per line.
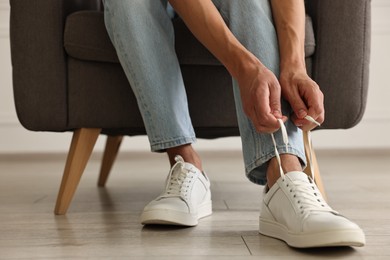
[341, 60]
[39, 60]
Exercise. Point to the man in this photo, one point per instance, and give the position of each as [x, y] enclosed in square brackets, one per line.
[261, 43]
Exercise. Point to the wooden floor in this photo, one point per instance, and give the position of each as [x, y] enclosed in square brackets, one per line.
[103, 223]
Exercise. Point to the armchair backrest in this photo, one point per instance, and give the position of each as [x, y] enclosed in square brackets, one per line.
[38, 58]
[79, 5]
[342, 30]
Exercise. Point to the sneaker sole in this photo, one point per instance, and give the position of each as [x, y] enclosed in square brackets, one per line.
[170, 217]
[324, 239]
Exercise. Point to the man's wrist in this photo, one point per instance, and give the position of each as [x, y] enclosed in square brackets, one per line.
[242, 62]
[294, 64]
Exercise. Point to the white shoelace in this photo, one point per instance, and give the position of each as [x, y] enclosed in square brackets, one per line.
[309, 198]
[178, 183]
[306, 194]
[285, 141]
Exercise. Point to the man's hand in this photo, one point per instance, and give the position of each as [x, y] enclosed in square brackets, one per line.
[260, 95]
[304, 96]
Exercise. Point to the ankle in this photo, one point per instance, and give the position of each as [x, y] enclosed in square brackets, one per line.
[289, 163]
[187, 152]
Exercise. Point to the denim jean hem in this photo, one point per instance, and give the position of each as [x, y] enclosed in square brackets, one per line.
[163, 145]
[260, 178]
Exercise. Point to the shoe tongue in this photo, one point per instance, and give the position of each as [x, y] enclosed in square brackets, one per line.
[189, 166]
[296, 175]
[185, 166]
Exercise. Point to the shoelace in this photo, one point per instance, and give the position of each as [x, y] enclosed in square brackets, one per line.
[178, 184]
[306, 194]
[285, 141]
[309, 198]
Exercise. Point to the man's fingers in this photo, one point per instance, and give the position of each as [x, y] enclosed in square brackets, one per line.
[264, 122]
[298, 106]
[274, 100]
[267, 108]
[267, 128]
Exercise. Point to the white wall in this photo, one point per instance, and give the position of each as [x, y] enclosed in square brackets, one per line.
[372, 132]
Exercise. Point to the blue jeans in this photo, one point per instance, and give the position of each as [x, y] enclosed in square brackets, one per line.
[143, 35]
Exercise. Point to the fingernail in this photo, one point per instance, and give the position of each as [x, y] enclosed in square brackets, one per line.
[276, 113]
[302, 113]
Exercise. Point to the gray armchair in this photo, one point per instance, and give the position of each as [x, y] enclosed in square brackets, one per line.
[67, 77]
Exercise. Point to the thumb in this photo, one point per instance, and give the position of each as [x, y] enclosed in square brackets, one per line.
[274, 102]
[298, 106]
[291, 94]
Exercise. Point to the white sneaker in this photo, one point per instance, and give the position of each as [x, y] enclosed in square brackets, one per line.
[186, 198]
[294, 211]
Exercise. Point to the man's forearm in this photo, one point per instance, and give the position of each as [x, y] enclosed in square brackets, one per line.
[289, 17]
[206, 23]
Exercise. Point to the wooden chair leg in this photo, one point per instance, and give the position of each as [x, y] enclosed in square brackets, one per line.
[83, 141]
[112, 147]
[314, 163]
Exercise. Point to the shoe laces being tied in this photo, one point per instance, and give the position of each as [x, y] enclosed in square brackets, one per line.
[306, 193]
[285, 141]
[179, 179]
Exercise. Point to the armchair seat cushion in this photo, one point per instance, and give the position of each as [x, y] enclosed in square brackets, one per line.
[85, 38]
